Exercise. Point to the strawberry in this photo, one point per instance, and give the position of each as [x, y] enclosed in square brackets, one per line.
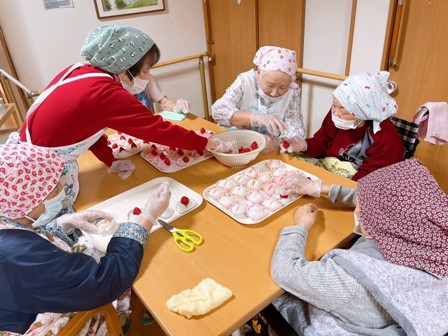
[201, 153]
[283, 196]
[285, 144]
[121, 149]
[162, 156]
[122, 137]
[114, 146]
[119, 132]
[254, 145]
[180, 152]
[185, 200]
[133, 145]
[136, 211]
[246, 150]
[154, 152]
[202, 130]
[185, 159]
[167, 162]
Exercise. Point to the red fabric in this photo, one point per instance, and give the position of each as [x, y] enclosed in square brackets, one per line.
[76, 111]
[406, 212]
[387, 148]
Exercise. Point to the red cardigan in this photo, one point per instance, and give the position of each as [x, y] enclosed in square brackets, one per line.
[387, 147]
[77, 110]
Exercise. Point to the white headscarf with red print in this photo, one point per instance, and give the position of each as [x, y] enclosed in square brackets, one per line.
[366, 96]
[27, 175]
[270, 58]
[406, 212]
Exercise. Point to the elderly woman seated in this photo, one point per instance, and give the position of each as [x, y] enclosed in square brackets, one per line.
[47, 268]
[392, 281]
[356, 136]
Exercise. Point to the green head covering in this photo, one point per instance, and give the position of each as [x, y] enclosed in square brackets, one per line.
[115, 47]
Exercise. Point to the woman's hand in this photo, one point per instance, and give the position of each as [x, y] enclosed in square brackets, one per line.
[306, 215]
[298, 184]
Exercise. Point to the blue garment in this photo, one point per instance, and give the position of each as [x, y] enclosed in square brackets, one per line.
[143, 97]
[36, 276]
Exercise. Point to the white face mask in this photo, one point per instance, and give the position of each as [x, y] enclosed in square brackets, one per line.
[357, 228]
[53, 207]
[268, 98]
[344, 124]
[138, 87]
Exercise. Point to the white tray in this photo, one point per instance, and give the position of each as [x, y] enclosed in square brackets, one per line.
[225, 194]
[170, 153]
[121, 139]
[120, 205]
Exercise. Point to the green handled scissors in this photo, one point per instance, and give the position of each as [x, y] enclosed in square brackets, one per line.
[185, 239]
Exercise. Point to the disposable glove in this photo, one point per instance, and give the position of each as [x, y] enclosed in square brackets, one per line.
[293, 145]
[124, 168]
[222, 146]
[272, 143]
[157, 202]
[84, 220]
[296, 183]
[182, 106]
[274, 125]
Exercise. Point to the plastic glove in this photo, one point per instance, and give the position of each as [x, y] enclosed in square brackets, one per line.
[293, 145]
[296, 183]
[124, 168]
[274, 125]
[222, 146]
[182, 106]
[272, 144]
[84, 220]
[157, 202]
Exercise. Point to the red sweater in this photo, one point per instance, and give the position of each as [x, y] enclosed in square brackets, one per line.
[387, 147]
[77, 110]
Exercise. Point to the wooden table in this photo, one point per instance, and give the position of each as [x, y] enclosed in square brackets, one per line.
[236, 256]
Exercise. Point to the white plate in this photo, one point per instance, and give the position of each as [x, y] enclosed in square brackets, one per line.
[172, 154]
[248, 196]
[120, 205]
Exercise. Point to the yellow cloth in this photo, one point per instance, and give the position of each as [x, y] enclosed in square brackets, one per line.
[342, 168]
[207, 295]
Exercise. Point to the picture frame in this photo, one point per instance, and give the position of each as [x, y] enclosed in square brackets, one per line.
[114, 8]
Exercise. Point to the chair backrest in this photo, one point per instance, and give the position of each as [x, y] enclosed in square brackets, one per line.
[408, 131]
[75, 325]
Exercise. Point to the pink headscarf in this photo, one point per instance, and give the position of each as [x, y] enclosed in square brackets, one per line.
[270, 58]
[27, 175]
[406, 212]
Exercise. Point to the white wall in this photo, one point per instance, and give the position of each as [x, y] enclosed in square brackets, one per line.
[327, 24]
[43, 42]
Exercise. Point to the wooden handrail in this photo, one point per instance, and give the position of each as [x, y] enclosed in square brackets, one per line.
[321, 74]
[202, 73]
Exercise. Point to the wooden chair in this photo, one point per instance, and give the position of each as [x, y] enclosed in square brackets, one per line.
[81, 318]
[10, 118]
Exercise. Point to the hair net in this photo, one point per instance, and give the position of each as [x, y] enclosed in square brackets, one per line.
[270, 58]
[406, 212]
[116, 47]
[366, 96]
[27, 175]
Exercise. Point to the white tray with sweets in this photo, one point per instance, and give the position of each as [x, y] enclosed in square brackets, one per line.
[182, 201]
[169, 160]
[252, 195]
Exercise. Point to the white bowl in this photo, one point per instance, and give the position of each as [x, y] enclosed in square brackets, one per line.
[242, 138]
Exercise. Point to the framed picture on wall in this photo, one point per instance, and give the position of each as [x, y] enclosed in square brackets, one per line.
[112, 8]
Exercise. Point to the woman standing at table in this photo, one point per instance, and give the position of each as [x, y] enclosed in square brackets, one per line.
[84, 100]
[46, 274]
[266, 99]
[402, 217]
